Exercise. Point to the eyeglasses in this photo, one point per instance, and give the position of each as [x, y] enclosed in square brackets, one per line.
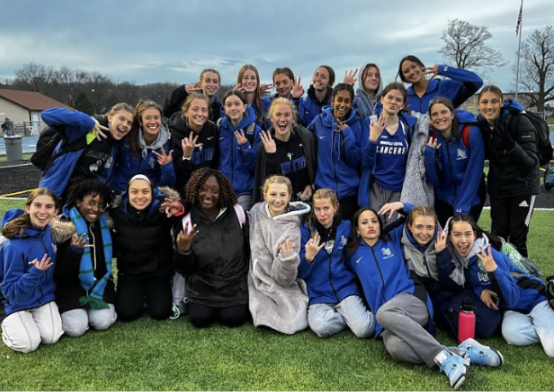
[99, 207]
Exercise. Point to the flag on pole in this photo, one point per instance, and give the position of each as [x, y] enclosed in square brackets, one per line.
[519, 19]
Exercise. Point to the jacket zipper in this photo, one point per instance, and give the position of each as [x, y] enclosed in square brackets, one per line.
[450, 171]
[331, 271]
[380, 273]
[334, 165]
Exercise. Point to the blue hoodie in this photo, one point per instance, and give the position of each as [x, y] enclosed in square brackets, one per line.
[24, 285]
[456, 170]
[77, 125]
[384, 274]
[461, 85]
[145, 163]
[309, 107]
[238, 162]
[385, 161]
[327, 278]
[338, 153]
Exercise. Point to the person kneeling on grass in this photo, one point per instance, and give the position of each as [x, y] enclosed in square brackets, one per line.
[335, 299]
[528, 315]
[27, 258]
[144, 250]
[85, 291]
[404, 311]
[213, 252]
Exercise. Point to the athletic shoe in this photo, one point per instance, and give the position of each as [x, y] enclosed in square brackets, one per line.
[480, 354]
[453, 366]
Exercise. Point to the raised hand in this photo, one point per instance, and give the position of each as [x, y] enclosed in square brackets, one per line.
[391, 208]
[431, 71]
[265, 88]
[307, 193]
[172, 206]
[188, 144]
[433, 143]
[350, 77]
[184, 238]
[440, 241]
[286, 248]
[376, 129]
[268, 142]
[193, 87]
[81, 242]
[297, 88]
[486, 257]
[238, 87]
[163, 158]
[98, 129]
[340, 126]
[241, 139]
[43, 264]
[313, 247]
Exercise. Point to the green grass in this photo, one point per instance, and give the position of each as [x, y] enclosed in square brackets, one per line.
[26, 157]
[173, 355]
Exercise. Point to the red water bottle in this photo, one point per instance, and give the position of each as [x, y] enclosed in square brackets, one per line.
[466, 322]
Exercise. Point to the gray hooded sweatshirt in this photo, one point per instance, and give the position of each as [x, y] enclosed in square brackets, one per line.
[363, 103]
[278, 299]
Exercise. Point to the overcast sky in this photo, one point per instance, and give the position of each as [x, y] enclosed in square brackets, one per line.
[151, 41]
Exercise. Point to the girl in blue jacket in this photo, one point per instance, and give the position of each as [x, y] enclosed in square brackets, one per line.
[27, 258]
[335, 299]
[460, 85]
[146, 152]
[403, 309]
[528, 317]
[454, 161]
[248, 83]
[239, 138]
[385, 145]
[319, 95]
[337, 132]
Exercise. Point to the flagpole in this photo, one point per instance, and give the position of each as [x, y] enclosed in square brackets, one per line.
[519, 47]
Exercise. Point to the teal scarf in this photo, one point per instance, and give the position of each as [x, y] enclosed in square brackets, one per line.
[94, 290]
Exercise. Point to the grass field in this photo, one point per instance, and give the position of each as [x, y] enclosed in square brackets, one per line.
[26, 157]
[173, 355]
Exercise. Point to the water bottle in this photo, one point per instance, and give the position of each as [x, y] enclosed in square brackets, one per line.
[466, 322]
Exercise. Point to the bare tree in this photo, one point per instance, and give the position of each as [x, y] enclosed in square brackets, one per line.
[465, 45]
[537, 67]
[34, 77]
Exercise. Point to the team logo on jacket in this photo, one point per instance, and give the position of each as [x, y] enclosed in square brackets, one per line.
[483, 276]
[387, 253]
[461, 154]
[329, 246]
[343, 240]
[55, 247]
[152, 162]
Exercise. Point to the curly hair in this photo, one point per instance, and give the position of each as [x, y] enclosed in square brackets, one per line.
[227, 196]
[92, 188]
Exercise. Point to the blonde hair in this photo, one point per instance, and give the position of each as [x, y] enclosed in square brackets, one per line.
[322, 193]
[118, 107]
[282, 101]
[277, 180]
[420, 211]
[188, 103]
[19, 224]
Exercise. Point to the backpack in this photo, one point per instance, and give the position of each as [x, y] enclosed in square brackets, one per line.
[548, 180]
[465, 135]
[542, 131]
[47, 142]
[523, 263]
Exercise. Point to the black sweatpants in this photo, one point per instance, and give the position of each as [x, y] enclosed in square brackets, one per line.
[510, 219]
[202, 316]
[132, 293]
[348, 206]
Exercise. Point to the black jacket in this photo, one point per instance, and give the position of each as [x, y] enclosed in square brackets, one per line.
[264, 167]
[207, 155]
[511, 150]
[178, 98]
[216, 267]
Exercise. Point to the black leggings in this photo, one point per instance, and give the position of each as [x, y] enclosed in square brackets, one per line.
[202, 316]
[132, 293]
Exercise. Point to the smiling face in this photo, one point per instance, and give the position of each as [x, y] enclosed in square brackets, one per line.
[423, 229]
[208, 196]
[321, 80]
[91, 207]
[41, 210]
[368, 227]
[393, 102]
[462, 237]
[249, 81]
[441, 118]
[283, 85]
[282, 119]
[412, 71]
[371, 80]
[197, 113]
[120, 123]
[277, 197]
[140, 194]
[342, 102]
[325, 211]
[490, 106]
[210, 83]
[234, 108]
[151, 119]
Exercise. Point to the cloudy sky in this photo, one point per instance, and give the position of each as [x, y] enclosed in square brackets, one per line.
[149, 41]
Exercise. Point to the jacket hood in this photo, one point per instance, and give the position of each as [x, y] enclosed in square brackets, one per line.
[326, 99]
[248, 118]
[360, 90]
[471, 257]
[176, 121]
[160, 141]
[62, 230]
[329, 120]
[297, 208]
[513, 104]
[408, 119]
[11, 215]
[409, 240]
[464, 116]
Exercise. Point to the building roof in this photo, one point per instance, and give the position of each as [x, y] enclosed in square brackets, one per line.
[31, 100]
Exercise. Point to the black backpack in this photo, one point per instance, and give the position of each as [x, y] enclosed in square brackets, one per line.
[542, 131]
[47, 142]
